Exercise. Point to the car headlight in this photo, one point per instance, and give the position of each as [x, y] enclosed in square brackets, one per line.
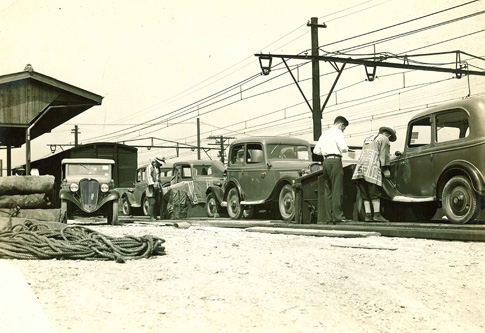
[74, 187]
[104, 188]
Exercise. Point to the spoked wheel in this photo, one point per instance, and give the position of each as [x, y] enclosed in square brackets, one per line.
[234, 204]
[211, 205]
[286, 203]
[460, 202]
[145, 205]
[125, 206]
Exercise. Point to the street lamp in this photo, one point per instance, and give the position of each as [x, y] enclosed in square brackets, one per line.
[265, 63]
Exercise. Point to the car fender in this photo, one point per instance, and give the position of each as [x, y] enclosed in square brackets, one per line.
[233, 183]
[461, 167]
[217, 191]
[67, 195]
[130, 197]
[276, 189]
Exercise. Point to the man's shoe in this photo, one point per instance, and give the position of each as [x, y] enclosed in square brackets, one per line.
[368, 217]
[379, 218]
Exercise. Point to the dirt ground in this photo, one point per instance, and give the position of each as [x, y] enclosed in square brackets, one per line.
[231, 280]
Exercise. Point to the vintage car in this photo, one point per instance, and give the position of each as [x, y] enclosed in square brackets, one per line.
[200, 174]
[260, 174]
[87, 188]
[442, 163]
[135, 198]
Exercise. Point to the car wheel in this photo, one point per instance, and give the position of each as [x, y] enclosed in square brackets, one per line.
[125, 206]
[63, 215]
[211, 205]
[145, 206]
[424, 212]
[113, 213]
[460, 202]
[286, 203]
[234, 204]
[248, 212]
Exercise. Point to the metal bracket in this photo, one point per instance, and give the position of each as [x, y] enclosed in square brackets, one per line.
[371, 75]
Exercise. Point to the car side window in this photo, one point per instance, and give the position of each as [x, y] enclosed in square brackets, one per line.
[420, 133]
[237, 154]
[255, 154]
[186, 171]
[451, 125]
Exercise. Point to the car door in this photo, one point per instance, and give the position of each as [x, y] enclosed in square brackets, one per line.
[413, 171]
[255, 178]
[140, 185]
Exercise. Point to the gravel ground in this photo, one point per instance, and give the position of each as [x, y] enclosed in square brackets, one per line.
[218, 280]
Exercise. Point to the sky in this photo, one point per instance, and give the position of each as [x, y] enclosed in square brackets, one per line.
[160, 65]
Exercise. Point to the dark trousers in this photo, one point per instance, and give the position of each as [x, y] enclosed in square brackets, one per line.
[333, 175]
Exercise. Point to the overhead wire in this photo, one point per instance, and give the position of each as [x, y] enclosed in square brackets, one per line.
[182, 114]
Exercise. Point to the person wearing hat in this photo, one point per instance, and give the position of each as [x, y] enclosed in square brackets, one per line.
[331, 145]
[152, 189]
[373, 164]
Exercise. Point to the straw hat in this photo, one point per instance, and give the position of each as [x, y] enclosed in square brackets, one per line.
[391, 130]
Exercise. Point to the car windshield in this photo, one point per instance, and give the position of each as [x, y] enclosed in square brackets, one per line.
[88, 169]
[288, 152]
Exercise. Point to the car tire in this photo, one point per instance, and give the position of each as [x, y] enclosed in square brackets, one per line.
[234, 208]
[286, 203]
[460, 202]
[63, 214]
[211, 205]
[125, 206]
[145, 204]
[113, 213]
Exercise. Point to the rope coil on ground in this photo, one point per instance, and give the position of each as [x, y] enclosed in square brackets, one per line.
[33, 240]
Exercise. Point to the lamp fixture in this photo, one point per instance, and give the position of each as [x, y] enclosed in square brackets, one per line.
[265, 63]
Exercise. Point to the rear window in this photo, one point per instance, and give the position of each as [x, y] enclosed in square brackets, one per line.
[452, 125]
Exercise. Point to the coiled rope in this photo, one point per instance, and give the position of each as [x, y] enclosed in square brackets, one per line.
[35, 240]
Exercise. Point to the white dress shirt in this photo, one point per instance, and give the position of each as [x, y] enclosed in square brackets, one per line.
[331, 142]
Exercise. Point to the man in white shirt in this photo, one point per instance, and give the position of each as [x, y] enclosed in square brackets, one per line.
[331, 145]
[152, 189]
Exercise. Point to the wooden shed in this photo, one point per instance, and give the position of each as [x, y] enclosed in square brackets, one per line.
[32, 104]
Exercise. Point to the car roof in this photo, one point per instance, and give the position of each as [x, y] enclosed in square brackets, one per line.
[87, 161]
[271, 139]
[467, 104]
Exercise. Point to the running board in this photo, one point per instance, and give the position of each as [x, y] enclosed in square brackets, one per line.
[402, 198]
[246, 203]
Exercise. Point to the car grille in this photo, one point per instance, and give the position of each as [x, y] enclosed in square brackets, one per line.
[89, 190]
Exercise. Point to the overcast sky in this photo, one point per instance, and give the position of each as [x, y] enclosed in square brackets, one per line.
[153, 61]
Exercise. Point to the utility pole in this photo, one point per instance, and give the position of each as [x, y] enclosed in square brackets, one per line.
[317, 113]
[220, 141]
[76, 132]
[198, 139]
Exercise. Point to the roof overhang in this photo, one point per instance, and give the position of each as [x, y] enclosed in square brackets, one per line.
[31, 99]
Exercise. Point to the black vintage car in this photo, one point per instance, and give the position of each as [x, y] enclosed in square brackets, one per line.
[87, 188]
[442, 163]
